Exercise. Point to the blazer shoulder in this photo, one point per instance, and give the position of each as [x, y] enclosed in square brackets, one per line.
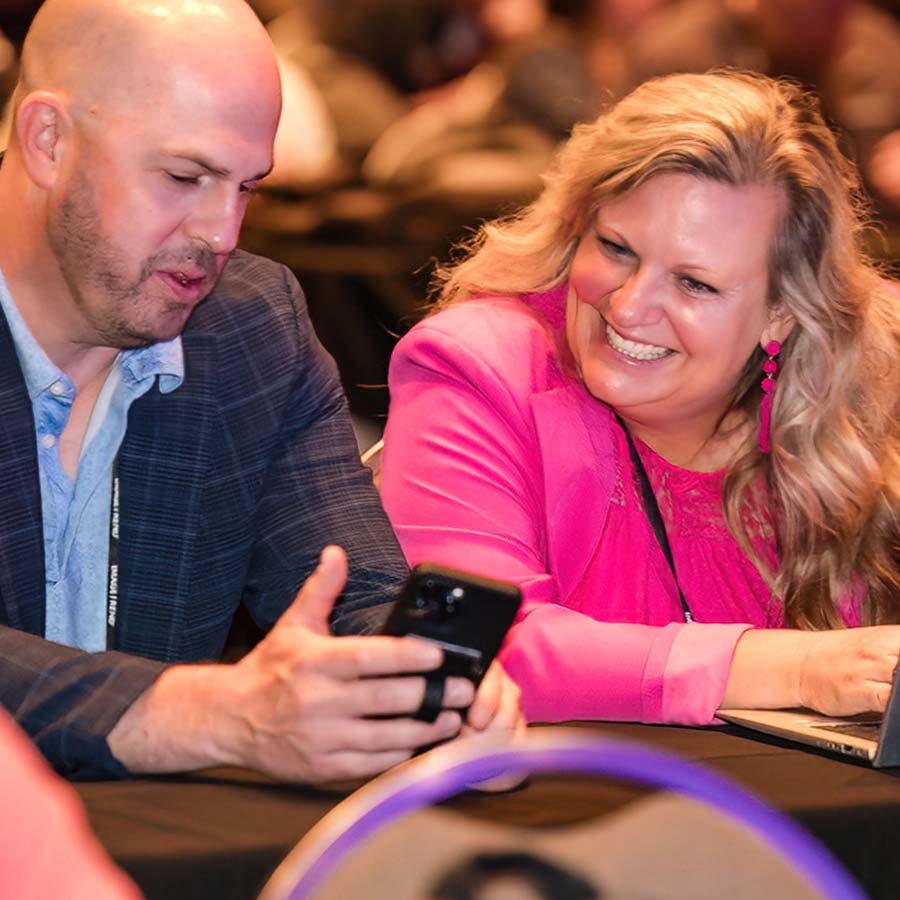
[487, 339]
[251, 291]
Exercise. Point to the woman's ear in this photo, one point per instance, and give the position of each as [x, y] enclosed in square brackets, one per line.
[781, 323]
[41, 125]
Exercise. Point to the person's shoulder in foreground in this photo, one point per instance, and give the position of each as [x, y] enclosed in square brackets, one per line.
[703, 241]
[48, 849]
[132, 157]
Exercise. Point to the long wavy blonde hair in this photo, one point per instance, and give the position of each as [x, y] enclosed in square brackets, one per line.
[832, 480]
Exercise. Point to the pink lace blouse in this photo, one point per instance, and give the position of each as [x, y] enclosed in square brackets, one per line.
[719, 582]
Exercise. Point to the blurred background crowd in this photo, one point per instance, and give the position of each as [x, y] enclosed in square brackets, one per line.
[407, 122]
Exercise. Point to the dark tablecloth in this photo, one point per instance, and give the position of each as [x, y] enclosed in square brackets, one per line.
[220, 834]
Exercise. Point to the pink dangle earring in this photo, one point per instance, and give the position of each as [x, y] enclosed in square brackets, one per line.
[770, 367]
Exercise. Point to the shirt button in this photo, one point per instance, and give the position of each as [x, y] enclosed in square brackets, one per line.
[47, 441]
[57, 388]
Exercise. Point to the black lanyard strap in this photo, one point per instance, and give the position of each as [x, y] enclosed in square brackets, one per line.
[651, 507]
[112, 583]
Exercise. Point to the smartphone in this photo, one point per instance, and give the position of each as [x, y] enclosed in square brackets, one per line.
[467, 615]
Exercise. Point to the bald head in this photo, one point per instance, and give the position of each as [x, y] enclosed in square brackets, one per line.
[111, 55]
[140, 129]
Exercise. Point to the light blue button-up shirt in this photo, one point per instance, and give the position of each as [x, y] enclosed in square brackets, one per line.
[76, 516]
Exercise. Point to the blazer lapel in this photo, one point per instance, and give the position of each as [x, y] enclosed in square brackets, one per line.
[578, 462]
[21, 528]
[163, 465]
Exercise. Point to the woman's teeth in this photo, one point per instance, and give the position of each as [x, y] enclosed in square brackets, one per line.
[632, 349]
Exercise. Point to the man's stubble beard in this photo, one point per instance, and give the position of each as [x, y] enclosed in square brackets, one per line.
[91, 266]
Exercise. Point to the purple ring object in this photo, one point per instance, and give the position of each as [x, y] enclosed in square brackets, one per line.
[427, 781]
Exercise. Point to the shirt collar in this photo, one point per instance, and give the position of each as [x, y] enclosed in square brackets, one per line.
[38, 369]
[165, 359]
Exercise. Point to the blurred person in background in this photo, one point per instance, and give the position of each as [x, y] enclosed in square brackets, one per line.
[848, 51]
[15, 17]
[404, 123]
[408, 87]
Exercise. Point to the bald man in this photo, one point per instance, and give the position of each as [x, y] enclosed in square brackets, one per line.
[173, 439]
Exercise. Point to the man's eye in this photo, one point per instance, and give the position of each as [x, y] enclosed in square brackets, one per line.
[693, 286]
[184, 179]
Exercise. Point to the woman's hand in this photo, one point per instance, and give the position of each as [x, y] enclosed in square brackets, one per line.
[496, 704]
[838, 673]
[850, 670]
[496, 709]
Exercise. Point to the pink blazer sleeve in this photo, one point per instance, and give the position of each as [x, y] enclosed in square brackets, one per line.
[462, 483]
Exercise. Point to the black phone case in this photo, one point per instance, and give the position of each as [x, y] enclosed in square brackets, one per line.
[466, 614]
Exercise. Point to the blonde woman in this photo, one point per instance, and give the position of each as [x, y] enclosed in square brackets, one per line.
[664, 400]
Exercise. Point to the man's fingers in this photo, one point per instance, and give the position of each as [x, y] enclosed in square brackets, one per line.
[383, 735]
[396, 696]
[348, 658]
[315, 599]
[392, 734]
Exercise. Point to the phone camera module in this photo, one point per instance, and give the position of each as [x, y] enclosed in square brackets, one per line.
[438, 602]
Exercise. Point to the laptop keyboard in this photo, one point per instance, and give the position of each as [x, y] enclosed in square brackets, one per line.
[869, 730]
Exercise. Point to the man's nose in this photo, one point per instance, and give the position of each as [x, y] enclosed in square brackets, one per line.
[217, 220]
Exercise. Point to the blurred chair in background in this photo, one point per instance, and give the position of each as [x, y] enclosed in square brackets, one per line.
[371, 458]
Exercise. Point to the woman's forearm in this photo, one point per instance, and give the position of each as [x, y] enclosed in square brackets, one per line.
[766, 669]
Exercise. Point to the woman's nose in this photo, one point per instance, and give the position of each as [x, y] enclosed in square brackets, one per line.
[637, 301]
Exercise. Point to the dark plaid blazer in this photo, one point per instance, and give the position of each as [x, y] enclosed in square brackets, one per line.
[230, 487]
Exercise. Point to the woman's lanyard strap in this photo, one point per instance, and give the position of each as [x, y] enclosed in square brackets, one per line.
[651, 507]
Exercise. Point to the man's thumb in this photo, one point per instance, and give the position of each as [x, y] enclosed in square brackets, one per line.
[315, 599]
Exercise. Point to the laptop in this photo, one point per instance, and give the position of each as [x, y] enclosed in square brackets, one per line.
[870, 737]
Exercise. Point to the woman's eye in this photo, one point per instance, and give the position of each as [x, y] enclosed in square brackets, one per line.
[693, 286]
[614, 249]
[184, 179]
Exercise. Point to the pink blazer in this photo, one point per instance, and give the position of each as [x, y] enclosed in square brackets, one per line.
[497, 462]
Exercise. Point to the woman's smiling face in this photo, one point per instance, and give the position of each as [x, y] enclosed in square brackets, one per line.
[668, 298]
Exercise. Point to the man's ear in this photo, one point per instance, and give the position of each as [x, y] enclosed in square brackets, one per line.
[41, 127]
[781, 323]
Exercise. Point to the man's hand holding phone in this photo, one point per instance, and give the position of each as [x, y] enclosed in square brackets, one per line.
[467, 616]
[300, 705]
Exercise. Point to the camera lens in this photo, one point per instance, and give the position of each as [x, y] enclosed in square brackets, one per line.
[436, 601]
[429, 599]
[432, 593]
[451, 600]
